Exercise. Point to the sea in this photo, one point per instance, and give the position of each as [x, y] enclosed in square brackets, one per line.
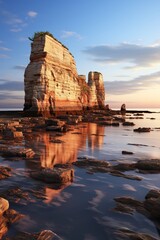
[85, 209]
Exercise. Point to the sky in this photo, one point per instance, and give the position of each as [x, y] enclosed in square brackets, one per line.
[119, 38]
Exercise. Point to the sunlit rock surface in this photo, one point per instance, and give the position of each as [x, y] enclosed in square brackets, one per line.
[53, 84]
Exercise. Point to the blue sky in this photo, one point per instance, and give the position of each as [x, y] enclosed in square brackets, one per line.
[119, 38]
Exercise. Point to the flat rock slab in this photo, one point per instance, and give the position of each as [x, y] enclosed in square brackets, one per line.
[87, 162]
[126, 234]
[17, 152]
[148, 165]
[150, 207]
[143, 129]
[55, 175]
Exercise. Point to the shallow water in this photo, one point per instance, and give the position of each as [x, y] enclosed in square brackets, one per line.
[84, 209]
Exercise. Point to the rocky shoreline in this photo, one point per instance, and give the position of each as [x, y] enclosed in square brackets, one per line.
[14, 126]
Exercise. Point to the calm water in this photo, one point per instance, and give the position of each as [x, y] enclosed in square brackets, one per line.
[84, 209]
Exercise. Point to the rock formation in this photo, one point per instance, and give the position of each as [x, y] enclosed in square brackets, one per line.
[52, 83]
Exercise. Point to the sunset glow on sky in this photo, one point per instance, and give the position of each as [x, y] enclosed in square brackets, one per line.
[120, 39]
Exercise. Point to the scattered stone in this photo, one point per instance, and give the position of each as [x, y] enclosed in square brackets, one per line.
[56, 128]
[127, 152]
[48, 235]
[93, 166]
[16, 195]
[129, 202]
[150, 166]
[5, 172]
[151, 118]
[55, 175]
[126, 234]
[128, 124]
[127, 176]
[43, 235]
[11, 134]
[88, 162]
[54, 122]
[124, 166]
[12, 124]
[123, 208]
[143, 129]
[138, 114]
[105, 123]
[153, 194]
[123, 108]
[12, 216]
[150, 207]
[115, 124]
[7, 216]
[4, 205]
[18, 152]
[138, 145]
[152, 204]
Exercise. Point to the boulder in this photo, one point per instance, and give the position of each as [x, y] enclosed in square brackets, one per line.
[55, 175]
[148, 165]
[127, 152]
[128, 124]
[54, 122]
[142, 129]
[4, 205]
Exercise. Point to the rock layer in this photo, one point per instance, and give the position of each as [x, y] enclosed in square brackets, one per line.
[52, 83]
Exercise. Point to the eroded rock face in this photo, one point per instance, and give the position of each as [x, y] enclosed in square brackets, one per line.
[53, 84]
[97, 91]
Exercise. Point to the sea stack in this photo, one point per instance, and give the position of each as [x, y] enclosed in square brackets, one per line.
[51, 81]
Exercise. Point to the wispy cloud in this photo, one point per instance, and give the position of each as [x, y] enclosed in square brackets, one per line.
[23, 39]
[137, 55]
[32, 14]
[140, 83]
[4, 56]
[6, 85]
[19, 67]
[68, 34]
[16, 24]
[4, 49]
[16, 29]
[11, 99]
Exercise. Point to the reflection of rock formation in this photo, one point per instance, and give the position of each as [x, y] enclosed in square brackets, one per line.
[52, 82]
[66, 152]
[54, 194]
[95, 136]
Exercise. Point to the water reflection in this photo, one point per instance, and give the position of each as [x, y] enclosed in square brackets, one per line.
[51, 153]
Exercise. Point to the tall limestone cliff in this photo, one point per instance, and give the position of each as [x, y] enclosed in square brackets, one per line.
[52, 83]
